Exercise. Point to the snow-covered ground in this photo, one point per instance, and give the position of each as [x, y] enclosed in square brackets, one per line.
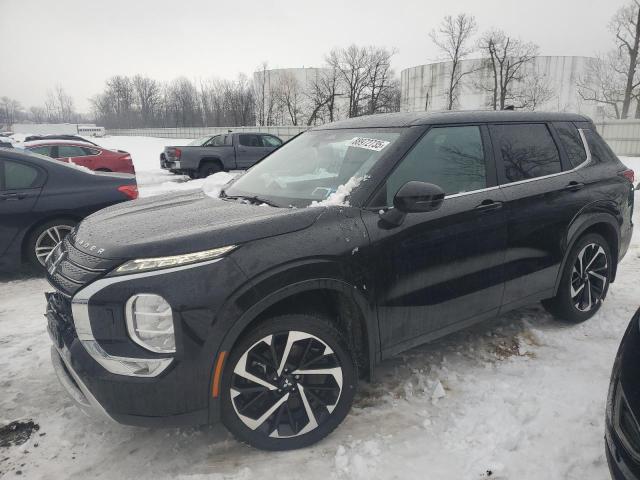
[521, 397]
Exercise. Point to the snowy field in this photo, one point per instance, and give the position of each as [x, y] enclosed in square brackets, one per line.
[521, 397]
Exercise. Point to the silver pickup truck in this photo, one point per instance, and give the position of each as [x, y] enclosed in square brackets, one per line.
[208, 155]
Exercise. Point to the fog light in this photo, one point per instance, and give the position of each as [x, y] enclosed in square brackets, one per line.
[150, 323]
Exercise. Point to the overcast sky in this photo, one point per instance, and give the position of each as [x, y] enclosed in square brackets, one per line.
[80, 43]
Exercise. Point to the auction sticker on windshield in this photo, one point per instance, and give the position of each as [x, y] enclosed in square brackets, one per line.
[368, 143]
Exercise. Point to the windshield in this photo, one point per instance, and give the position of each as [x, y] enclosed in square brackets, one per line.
[313, 166]
[198, 142]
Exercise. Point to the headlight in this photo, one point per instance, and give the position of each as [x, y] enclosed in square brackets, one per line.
[150, 323]
[143, 264]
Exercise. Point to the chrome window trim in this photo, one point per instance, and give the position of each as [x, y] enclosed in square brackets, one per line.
[82, 322]
[527, 180]
[551, 175]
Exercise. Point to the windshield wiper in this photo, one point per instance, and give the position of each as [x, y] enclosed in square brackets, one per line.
[253, 199]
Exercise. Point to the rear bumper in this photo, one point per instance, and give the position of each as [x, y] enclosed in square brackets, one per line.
[170, 165]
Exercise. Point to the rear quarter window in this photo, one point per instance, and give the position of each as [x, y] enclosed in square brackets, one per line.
[571, 142]
[600, 151]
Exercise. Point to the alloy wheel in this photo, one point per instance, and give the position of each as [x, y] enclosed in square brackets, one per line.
[48, 240]
[286, 384]
[589, 277]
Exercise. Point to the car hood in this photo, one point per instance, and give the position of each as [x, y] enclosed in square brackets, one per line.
[183, 223]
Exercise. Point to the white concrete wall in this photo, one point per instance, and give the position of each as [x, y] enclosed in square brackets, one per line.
[45, 128]
[424, 87]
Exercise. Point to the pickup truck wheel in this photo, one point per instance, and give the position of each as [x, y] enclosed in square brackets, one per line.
[207, 169]
[288, 383]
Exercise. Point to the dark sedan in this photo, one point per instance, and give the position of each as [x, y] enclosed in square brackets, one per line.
[41, 200]
[623, 407]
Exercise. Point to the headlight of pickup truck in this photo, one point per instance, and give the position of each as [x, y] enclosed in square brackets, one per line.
[145, 264]
[150, 323]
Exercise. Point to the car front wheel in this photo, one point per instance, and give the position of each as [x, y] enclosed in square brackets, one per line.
[288, 383]
[585, 280]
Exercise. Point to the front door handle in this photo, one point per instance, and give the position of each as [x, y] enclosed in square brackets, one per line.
[12, 196]
[574, 186]
[489, 206]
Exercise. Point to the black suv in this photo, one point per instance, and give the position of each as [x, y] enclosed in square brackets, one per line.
[355, 241]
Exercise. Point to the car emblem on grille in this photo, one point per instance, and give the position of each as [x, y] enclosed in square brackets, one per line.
[54, 265]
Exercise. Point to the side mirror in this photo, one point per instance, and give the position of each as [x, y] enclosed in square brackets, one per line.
[418, 197]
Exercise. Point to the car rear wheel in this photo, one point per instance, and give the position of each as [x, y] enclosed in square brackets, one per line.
[585, 280]
[288, 383]
[45, 238]
[208, 168]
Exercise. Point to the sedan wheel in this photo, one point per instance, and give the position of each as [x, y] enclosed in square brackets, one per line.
[49, 239]
[289, 388]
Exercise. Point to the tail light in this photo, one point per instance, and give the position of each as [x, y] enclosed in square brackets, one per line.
[628, 174]
[130, 191]
[176, 152]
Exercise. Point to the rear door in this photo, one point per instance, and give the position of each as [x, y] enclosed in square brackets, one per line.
[20, 186]
[249, 150]
[543, 193]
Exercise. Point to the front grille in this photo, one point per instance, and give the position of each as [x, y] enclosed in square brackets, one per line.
[69, 269]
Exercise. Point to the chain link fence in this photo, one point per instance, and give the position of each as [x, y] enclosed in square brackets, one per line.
[284, 132]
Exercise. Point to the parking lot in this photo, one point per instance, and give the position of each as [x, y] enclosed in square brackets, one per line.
[521, 397]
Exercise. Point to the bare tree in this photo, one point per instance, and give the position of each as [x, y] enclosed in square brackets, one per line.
[603, 84]
[352, 64]
[625, 25]
[147, 97]
[532, 92]
[453, 38]
[321, 93]
[10, 111]
[59, 105]
[505, 60]
[380, 77]
[289, 96]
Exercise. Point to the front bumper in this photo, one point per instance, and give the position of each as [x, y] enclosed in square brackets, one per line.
[180, 394]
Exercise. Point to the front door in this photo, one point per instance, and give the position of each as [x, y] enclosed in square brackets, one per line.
[439, 269]
[249, 150]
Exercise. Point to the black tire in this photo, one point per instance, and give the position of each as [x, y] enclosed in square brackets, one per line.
[575, 308]
[320, 394]
[38, 235]
[208, 168]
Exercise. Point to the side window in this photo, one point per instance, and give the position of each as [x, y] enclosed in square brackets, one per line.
[65, 151]
[248, 140]
[271, 141]
[18, 176]
[600, 151]
[217, 141]
[43, 150]
[572, 143]
[90, 151]
[528, 151]
[450, 157]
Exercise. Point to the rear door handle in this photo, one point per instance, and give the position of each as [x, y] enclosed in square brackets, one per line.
[12, 196]
[488, 206]
[574, 186]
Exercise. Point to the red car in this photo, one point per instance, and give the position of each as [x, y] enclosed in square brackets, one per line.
[84, 154]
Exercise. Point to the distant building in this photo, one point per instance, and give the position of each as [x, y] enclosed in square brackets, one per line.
[424, 87]
[58, 129]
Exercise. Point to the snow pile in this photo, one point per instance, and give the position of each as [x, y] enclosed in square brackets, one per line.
[213, 184]
[339, 197]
